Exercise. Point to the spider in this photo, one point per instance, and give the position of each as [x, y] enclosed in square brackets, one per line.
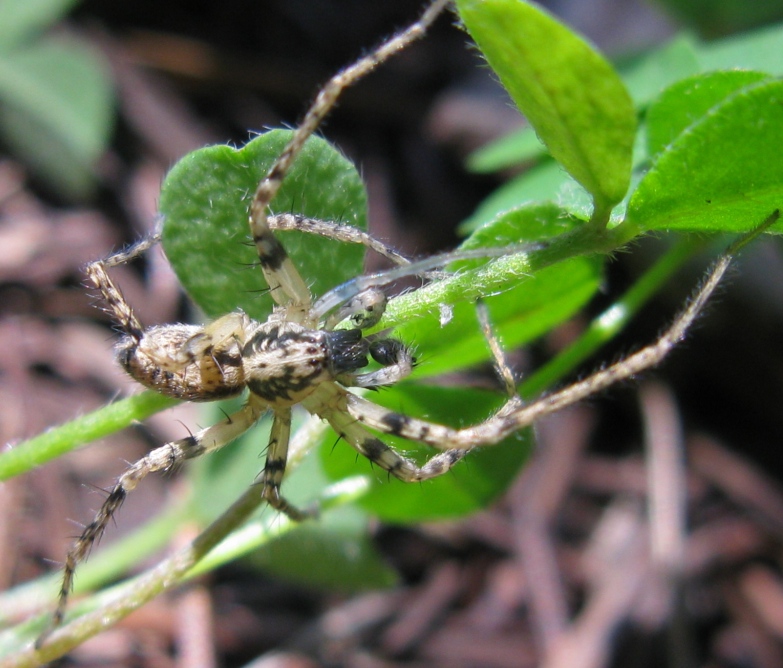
[310, 353]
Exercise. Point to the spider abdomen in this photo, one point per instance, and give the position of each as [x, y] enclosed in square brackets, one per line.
[180, 361]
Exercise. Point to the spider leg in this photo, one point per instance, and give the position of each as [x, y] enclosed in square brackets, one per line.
[163, 458]
[374, 449]
[286, 285]
[284, 281]
[327, 98]
[397, 360]
[501, 363]
[274, 470]
[120, 310]
[339, 232]
[514, 416]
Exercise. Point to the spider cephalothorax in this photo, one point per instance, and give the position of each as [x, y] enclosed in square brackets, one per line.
[285, 362]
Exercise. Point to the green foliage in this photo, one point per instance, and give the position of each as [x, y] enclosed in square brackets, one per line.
[703, 159]
[720, 173]
[720, 17]
[685, 102]
[570, 94]
[705, 131]
[55, 96]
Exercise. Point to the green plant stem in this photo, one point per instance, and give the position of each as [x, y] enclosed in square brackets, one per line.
[499, 275]
[60, 440]
[602, 211]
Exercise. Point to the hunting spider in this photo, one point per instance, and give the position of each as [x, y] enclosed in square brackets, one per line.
[299, 356]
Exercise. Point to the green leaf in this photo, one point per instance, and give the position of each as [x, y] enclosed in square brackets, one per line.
[471, 484]
[659, 68]
[531, 305]
[688, 100]
[346, 560]
[56, 110]
[542, 182]
[205, 200]
[569, 93]
[514, 149]
[758, 50]
[723, 173]
[20, 19]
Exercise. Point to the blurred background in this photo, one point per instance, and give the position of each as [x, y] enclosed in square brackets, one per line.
[98, 99]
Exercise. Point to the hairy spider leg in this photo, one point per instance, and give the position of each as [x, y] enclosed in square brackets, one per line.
[515, 416]
[274, 468]
[286, 222]
[329, 402]
[116, 305]
[164, 458]
[502, 367]
[284, 281]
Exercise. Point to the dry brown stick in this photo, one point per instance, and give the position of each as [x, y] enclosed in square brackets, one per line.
[747, 485]
[419, 615]
[757, 646]
[534, 504]
[763, 589]
[667, 498]
[667, 513]
[616, 583]
[194, 624]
